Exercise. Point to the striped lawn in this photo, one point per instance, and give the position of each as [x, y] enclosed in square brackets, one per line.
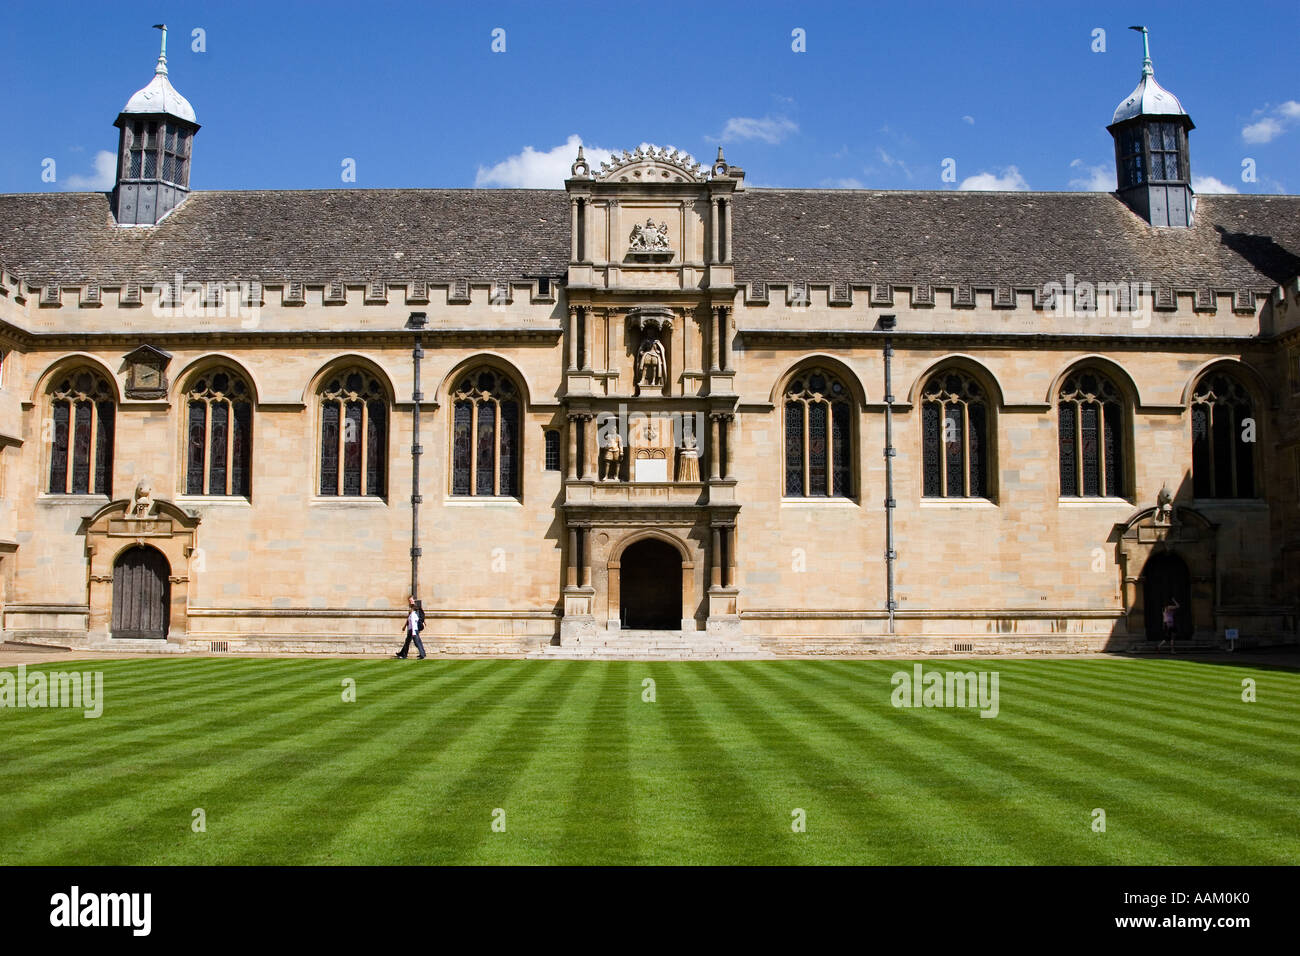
[712, 771]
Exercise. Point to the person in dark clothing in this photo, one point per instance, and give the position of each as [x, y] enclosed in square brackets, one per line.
[414, 625]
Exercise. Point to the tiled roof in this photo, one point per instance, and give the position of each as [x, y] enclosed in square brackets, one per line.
[1010, 238]
[937, 238]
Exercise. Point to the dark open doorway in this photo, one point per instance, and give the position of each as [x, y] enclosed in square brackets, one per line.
[650, 586]
[1166, 576]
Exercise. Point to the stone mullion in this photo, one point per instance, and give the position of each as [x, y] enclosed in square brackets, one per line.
[965, 449]
[91, 482]
[496, 447]
[473, 446]
[807, 448]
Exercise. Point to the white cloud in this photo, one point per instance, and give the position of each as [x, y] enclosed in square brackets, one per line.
[848, 182]
[1097, 179]
[1263, 131]
[769, 129]
[101, 179]
[893, 162]
[1269, 127]
[535, 169]
[968, 120]
[1010, 180]
[1208, 184]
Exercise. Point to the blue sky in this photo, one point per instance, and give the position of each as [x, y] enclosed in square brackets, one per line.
[883, 95]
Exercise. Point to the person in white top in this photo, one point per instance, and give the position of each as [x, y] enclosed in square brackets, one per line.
[414, 625]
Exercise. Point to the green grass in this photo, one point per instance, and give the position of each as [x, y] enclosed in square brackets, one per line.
[710, 772]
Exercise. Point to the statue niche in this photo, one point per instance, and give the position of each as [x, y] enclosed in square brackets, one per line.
[651, 357]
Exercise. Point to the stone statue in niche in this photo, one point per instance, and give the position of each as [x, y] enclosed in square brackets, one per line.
[649, 238]
[651, 361]
[1164, 506]
[142, 503]
[611, 458]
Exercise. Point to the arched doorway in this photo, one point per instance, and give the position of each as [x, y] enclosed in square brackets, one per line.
[141, 594]
[650, 586]
[1166, 576]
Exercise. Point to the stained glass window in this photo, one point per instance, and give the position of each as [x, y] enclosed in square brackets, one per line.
[219, 434]
[354, 435]
[954, 436]
[81, 457]
[818, 436]
[1091, 436]
[485, 438]
[1223, 439]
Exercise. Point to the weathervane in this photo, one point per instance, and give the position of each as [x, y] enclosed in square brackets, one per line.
[1146, 51]
[162, 57]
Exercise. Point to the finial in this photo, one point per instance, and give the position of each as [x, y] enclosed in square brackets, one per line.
[1147, 69]
[580, 151]
[720, 159]
[161, 69]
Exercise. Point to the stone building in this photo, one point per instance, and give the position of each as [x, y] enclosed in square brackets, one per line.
[654, 401]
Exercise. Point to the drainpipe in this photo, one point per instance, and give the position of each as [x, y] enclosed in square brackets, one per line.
[887, 324]
[415, 323]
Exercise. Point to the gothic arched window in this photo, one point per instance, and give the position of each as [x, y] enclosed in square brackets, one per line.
[954, 437]
[818, 436]
[218, 434]
[83, 414]
[353, 435]
[1090, 415]
[485, 435]
[1223, 459]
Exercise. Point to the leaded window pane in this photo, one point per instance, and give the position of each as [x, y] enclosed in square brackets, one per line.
[931, 443]
[196, 443]
[460, 469]
[975, 443]
[81, 418]
[485, 472]
[59, 453]
[794, 449]
[217, 455]
[842, 465]
[1202, 485]
[1112, 449]
[376, 446]
[552, 451]
[817, 448]
[1069, 464]
[509, 440]
[106, 412]
[241, 450]
[1088, 436]
[1221, 430]
[954, 438]
[352, 430]
[329, 448]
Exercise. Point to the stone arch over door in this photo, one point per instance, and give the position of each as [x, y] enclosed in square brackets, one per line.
[134, 522]
[1189, 536]
[614, 578]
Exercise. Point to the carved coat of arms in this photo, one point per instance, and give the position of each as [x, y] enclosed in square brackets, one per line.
[649, 238]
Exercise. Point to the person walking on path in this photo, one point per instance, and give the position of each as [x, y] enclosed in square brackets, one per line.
[414, 625]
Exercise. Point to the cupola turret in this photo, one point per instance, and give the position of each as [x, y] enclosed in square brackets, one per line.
[153, 152]
[1151, 160]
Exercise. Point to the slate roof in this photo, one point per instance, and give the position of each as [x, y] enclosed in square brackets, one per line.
[1240, 242]
[1010, 238]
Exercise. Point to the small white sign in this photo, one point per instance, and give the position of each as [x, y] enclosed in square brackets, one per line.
[652, 469]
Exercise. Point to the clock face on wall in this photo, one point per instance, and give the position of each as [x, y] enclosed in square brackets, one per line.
[147, 376]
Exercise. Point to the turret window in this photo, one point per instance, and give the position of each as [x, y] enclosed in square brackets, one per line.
[157, 151]
[1164, 151]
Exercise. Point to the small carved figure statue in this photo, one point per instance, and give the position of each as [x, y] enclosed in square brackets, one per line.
[653, 362]
[1164, 505]
[142, 504]
[611, 458]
